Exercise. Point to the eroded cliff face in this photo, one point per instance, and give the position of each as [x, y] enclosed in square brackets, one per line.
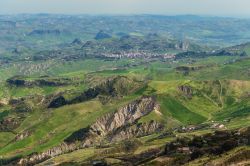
[39, 157]
[137, 130]
[114, 126]
[126, 115]
[123, 118]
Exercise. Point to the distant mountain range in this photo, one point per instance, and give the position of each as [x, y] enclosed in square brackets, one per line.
[57, 29]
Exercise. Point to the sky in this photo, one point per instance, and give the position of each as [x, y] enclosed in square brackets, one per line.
[237, 8]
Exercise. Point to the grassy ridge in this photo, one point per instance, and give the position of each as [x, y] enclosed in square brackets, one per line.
[172, 107]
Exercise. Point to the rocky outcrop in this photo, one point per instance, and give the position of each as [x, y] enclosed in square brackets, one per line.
[187, 69]
[112, 87]
[19, 82]
[77, 41]
[186, 90]
[184, 46]
[39, 157]
[20, 105]
[119, 123]
[9, 124]
[57, 102]
[102, 35]
[88, 44]
[16, 82]
[86, 95]
[78, 135]
[137, 130]
[23, 135]
[4, 101]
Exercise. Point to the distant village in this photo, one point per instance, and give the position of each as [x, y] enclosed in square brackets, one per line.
[138, 55]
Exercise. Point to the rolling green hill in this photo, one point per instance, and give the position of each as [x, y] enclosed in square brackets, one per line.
[126, 95]
[195, 99]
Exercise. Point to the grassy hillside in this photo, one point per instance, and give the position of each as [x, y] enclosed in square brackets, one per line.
[197, 92]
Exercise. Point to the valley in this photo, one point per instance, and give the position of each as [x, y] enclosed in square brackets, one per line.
[125, 98]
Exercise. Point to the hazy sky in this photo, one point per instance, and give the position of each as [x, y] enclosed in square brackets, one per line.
[167, 7]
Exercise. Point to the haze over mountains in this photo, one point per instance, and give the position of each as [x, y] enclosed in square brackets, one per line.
[27, 32]
[225, 8]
